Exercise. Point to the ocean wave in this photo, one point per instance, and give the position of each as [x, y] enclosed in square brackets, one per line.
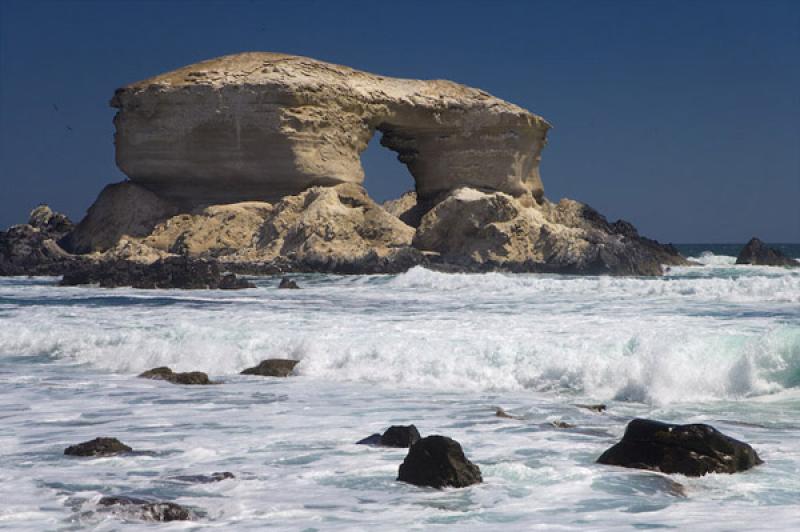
[708, 258]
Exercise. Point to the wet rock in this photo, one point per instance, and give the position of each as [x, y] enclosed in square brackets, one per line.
[98, 447]
[692, 450]
[273, 367]
[205, 479]
[403, 436]
[166, 374]
[499, 412]
[758, 253]
[599, 408]
[148, 510]
[562, 425]
[288, 283]
[438, 462]
[170, 272]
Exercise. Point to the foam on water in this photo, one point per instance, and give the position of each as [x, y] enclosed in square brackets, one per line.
[717, 344]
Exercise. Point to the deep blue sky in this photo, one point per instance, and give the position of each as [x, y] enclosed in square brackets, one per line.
[682, 117]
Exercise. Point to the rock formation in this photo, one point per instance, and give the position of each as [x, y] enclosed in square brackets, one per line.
[252, 162]
[438, 462]
[98, 447]
[757, 252]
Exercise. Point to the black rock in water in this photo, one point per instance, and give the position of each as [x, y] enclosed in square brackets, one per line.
[149, 510]
[273, 367]
[599, 408]
[288, 283]
[438, 462]
[758, 253]
[170, 272]
[691, 450]
[166, 374]
[205, 479]
[98, 447]
[403, 436]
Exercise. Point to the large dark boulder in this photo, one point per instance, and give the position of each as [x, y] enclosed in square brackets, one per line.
[98, 447]
[166, 374]
[172, 272]
[438, 462]
[403, 436]
[273, 367]
[758, 253]
[691, 450]
[148, 510]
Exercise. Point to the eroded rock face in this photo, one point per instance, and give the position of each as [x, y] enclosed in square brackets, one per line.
[261, 126]
[692, 450]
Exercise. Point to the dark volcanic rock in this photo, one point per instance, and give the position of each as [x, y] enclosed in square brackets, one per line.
[288, 283]
[171, 272]
[692, 450]
[98, 447]
[205, 479]
[403, 436]
[273, 367]
[438, 462]
[758, 253]
[166, 374]
[149, 510]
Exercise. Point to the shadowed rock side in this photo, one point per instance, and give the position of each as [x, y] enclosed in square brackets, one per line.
[692, 450]
[261, 126]
[758, 253]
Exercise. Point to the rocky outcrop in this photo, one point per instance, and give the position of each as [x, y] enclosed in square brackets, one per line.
[172, 272]
[261, 126]
[32, 249]
[438, 462]
[691, 450]
[758, 253]
[272, 367]
[166, 374]
[147, 510]
[98, 447]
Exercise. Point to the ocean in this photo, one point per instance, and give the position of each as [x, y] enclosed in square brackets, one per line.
[717, 344]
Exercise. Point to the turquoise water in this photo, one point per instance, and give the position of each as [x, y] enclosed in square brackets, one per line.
[718, 344]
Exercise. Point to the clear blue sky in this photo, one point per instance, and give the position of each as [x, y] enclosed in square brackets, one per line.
[682, 117]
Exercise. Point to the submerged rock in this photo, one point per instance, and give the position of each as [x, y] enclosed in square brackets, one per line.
[599, 407]
[147, 510]
[166, 374]
[691, 450]
[758, 253]
[288, 283]
[171, 272]
[98, 447]
[273, 367]
[438, 462]
[403, 436]
[205, 479]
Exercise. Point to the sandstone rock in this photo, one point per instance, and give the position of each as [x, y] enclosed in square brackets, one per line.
[407, 208]
[172, 272]
[166, 374]
[438, 462]
[122, 210]
[147, 510]
[53, 225]
[692, 450]
[756, 252]
[265, 125]
[98, 447]
[273, 367]
[287, 283]
[403, 436]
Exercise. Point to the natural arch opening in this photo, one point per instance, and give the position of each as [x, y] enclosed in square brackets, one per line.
[385, 177]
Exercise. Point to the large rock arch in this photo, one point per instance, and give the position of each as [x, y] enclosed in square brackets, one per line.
[261, 126]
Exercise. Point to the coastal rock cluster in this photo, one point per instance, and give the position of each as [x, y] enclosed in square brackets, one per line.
[252, 161]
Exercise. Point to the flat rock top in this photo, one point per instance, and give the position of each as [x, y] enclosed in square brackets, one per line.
[319, 79]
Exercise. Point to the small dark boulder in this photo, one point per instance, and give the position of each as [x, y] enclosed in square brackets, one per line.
[149, 510]
[205, 479]
[273, 367]
[403, 436]
[758, 253]
[691, 450]
[438, 462]
[599, 408]
[288, 283]
[166, 374]
[98, 447]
